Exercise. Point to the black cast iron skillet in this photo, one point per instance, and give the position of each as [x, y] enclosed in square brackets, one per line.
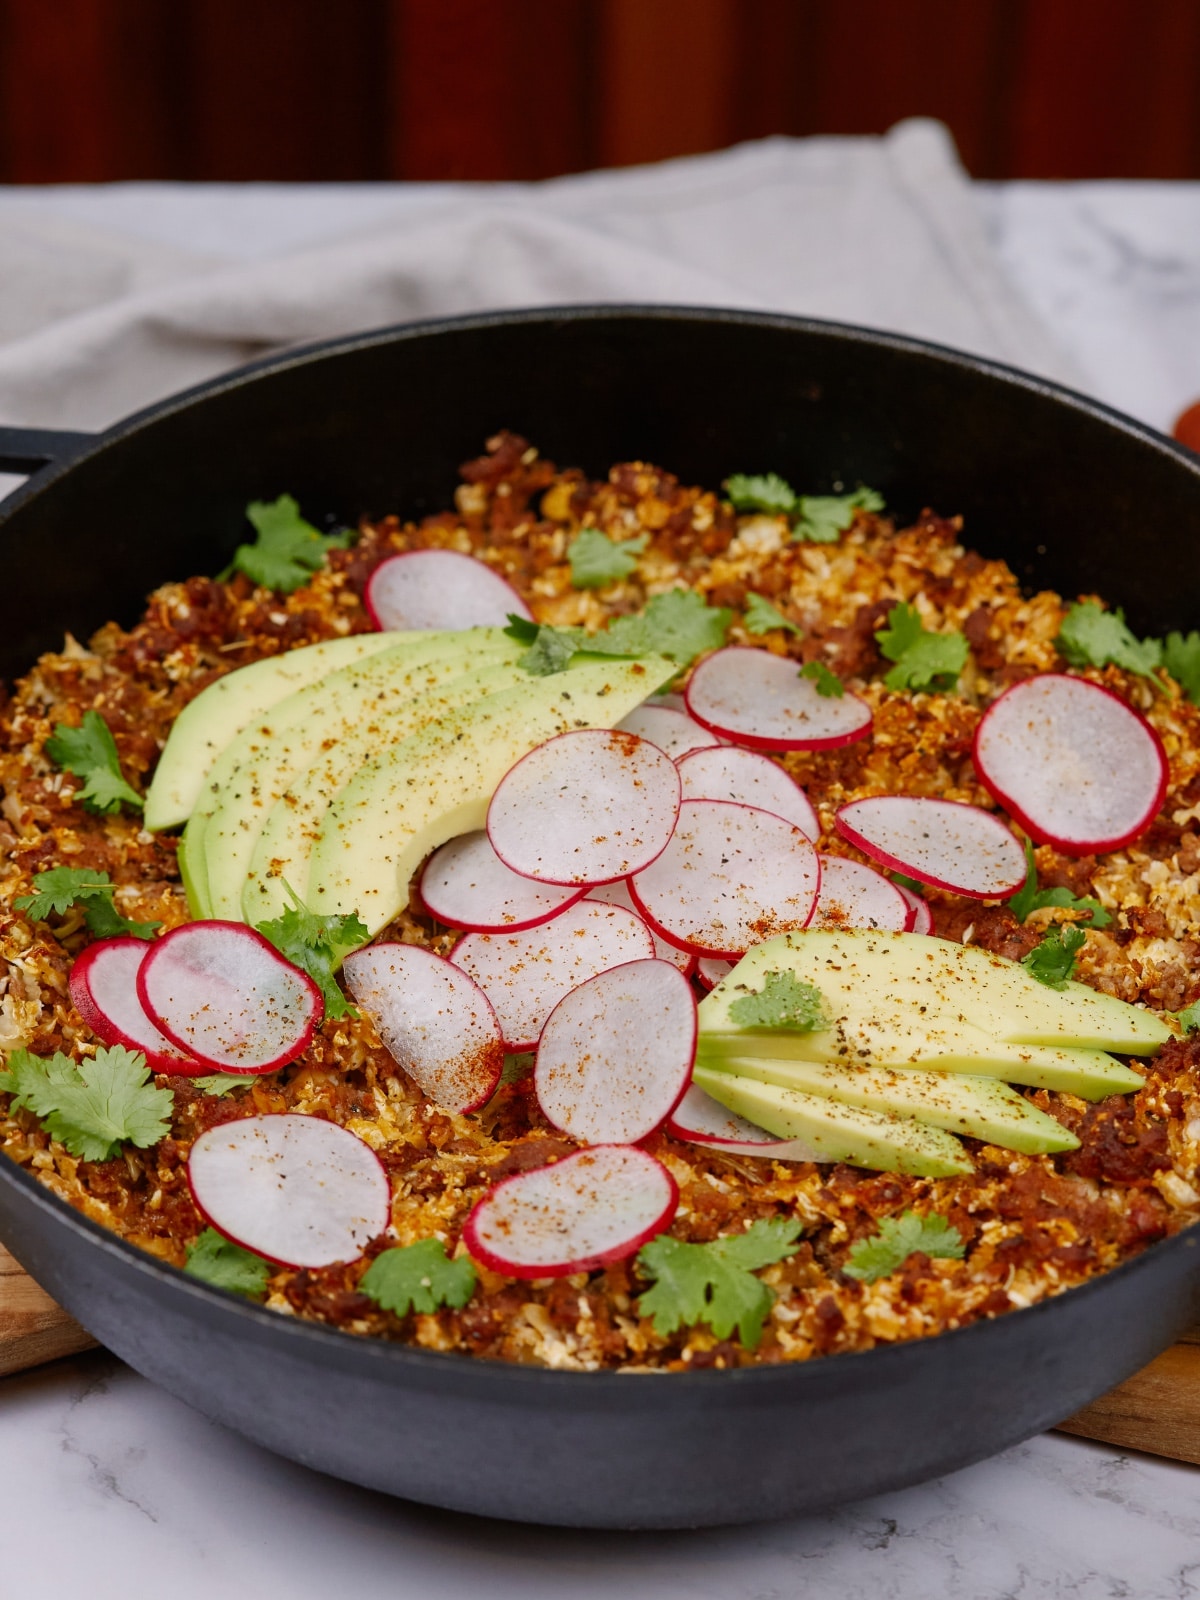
[1071, 494]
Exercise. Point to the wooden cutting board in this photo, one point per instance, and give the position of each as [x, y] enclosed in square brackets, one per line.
[1157, 1410]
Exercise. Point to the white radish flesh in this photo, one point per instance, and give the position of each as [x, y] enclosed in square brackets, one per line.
[943, 842]
[435, 1021]
[585, 807]
[298, 1190]
[856, 896]
[419, 589]
[616, 1053]
[700, 1119]
[672, 730]
[711, 969]
[731, 877]
[760, 700]
[727, 772]
[104, 992]
[920, 916]
[617, 894]
[1076, 766]
[596, 1206]
[466, 885]
[219, 991]
[525, 975]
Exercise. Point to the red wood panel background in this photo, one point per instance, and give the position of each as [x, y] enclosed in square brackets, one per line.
[305, 89]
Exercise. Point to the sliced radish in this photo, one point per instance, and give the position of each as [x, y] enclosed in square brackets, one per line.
[1076, 766]
[761, 700]
[298, 1190]
[525, 975]
[943, 842]
[585, 807]
[711, 969]
[731, 877]
[616, 1053]
[435, 1021]
[700, 1119]
[104, 992]
[593, 1207]
[466, 884]
[673, 731]
[856, 896]
[439, 589]
[727, 772]
[219, 991]
[617, 894]
[920, 916]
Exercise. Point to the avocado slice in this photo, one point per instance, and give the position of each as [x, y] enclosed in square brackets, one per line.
[437, 784]
[206, 724]
[981, 1108]
[839, 1132]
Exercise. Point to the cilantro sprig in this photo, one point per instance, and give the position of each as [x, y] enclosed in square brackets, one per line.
[1189, 1017]
[1029, 897]
[923, 660]
[715, 1283]
[596, 560]
[678, 624]
[286, 550]
[217, 1260]
[317, 945]
[1092, 637]
[782, 1002]
[90, 752]
[60, 888]
[1052, 962]
[223, 1083]
[1181, 657]
[762, 617]
[418, 1277]
[92, 1108]
[897, 1239]
[829, 685]
[815, 518]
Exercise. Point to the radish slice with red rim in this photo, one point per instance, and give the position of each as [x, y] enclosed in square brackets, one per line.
[466, 885]
[700, 1119]
[104, 992]
[760, 700]
[585, 807]
[920, 916]
[221, 992]
[710, 970]
[426, 589]
[617, 894]
[525, 975]
[672, 730]
[616, 1053]
[598, 1205]
[1076, 766]
[856, 896]
[298, 1190]
[435, 1021]
[727, 772]
[943, 842]
[731, 877]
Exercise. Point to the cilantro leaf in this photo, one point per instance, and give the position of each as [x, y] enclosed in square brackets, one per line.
[1053, 961]
[913, 885]
[216, 1260]
[714, 1282]
[1189, 1017]
[223, 1083]
[418, 1277]
[1030, 898]
[316, 945]
[550, 652]
[90, 752]
[287, 550]
[678, 624]
[824, 516]
[1093, 637]
[897, 1239]
[58, 889]
[517, 1068]
[761, 616]
[596, 560]
[923, 660]
[769, 493]
[95, 1107]
[828, 683]
[1181, 657]
[782, 1002]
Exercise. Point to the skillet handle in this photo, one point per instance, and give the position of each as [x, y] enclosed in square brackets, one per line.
[28, 450]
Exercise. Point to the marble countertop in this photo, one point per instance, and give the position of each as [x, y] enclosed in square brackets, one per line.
[97, 1460]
